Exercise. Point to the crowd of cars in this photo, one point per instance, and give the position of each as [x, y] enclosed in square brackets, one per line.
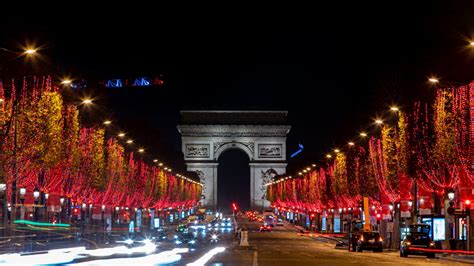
[268, 220]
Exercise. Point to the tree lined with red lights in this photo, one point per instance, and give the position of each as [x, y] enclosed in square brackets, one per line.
[45, 148]
[429, 145]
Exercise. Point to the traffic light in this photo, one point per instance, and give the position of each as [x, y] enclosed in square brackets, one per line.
[75, 211]
[234, 206]
[463, 221]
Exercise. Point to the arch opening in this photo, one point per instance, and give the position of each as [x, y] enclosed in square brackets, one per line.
[233, 180]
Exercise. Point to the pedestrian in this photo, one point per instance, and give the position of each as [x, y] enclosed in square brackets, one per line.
[237, 234]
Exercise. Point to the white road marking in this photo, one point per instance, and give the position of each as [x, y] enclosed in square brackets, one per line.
[255, 259]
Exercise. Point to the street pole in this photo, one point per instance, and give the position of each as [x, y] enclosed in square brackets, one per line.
[13, 199]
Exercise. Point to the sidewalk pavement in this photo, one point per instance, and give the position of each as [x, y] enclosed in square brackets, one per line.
[459, 258]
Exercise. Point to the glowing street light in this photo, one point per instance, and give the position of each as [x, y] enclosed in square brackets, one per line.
[121, 135]
[328, 156]
[160, 164]
[394, 108]
[451, 195]
[107, 122]
[363, 134]
[350, 143]
[169, 170]
[308, 168]
[313, 165]
[336, 150]
[433, 80]
[30, 51]
[141, 150]
[129, 141]
[87, 101]
[155, 161]
[66, 82]
[378, 121]
[471, 43]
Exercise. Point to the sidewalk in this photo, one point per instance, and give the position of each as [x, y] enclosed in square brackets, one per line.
[457, 258]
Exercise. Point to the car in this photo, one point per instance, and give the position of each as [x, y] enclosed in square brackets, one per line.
[370, 241]
[264, 228]
[280, 222]
[161, 235]
[269, 220]
[181, 228]
[185, 239]
[417, 237]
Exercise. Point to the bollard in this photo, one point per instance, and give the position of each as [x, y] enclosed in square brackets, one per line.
[244, 239]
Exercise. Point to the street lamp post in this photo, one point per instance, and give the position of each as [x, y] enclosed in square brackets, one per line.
[61, 202]
[103, 214]
[46, 197]
[36, 195]
[3, 188]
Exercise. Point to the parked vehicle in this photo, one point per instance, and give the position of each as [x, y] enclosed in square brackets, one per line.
[266, 228]
[280, 222]
[370, 241]
[417, 237]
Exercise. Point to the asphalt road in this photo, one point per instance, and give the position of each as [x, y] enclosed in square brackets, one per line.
[34, 240]
[284, 246]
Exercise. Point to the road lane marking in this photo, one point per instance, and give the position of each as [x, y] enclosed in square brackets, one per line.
[255, 258]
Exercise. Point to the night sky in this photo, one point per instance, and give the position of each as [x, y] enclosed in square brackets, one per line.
[334, 67]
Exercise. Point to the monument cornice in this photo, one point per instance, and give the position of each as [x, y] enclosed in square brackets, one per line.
[234, 130]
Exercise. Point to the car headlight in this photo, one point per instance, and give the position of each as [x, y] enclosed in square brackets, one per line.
[192, 241]
[175, 237]
[432, 244]
[178, 242]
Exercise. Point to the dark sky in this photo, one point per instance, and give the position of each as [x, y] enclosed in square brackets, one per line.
[332, 66]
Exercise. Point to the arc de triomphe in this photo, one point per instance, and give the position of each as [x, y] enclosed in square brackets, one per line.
[261, 135]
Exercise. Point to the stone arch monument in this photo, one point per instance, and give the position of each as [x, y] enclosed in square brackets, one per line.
[205, 135]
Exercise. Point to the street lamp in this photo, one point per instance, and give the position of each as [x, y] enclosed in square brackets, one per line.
[36, 195]
[103, 212]
[87, 101]
[46, 197]
[451, 195]
[30, 51]
[22, 193]
[3, 188]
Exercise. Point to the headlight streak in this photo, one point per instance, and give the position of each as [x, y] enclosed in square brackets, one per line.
[206, 257]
